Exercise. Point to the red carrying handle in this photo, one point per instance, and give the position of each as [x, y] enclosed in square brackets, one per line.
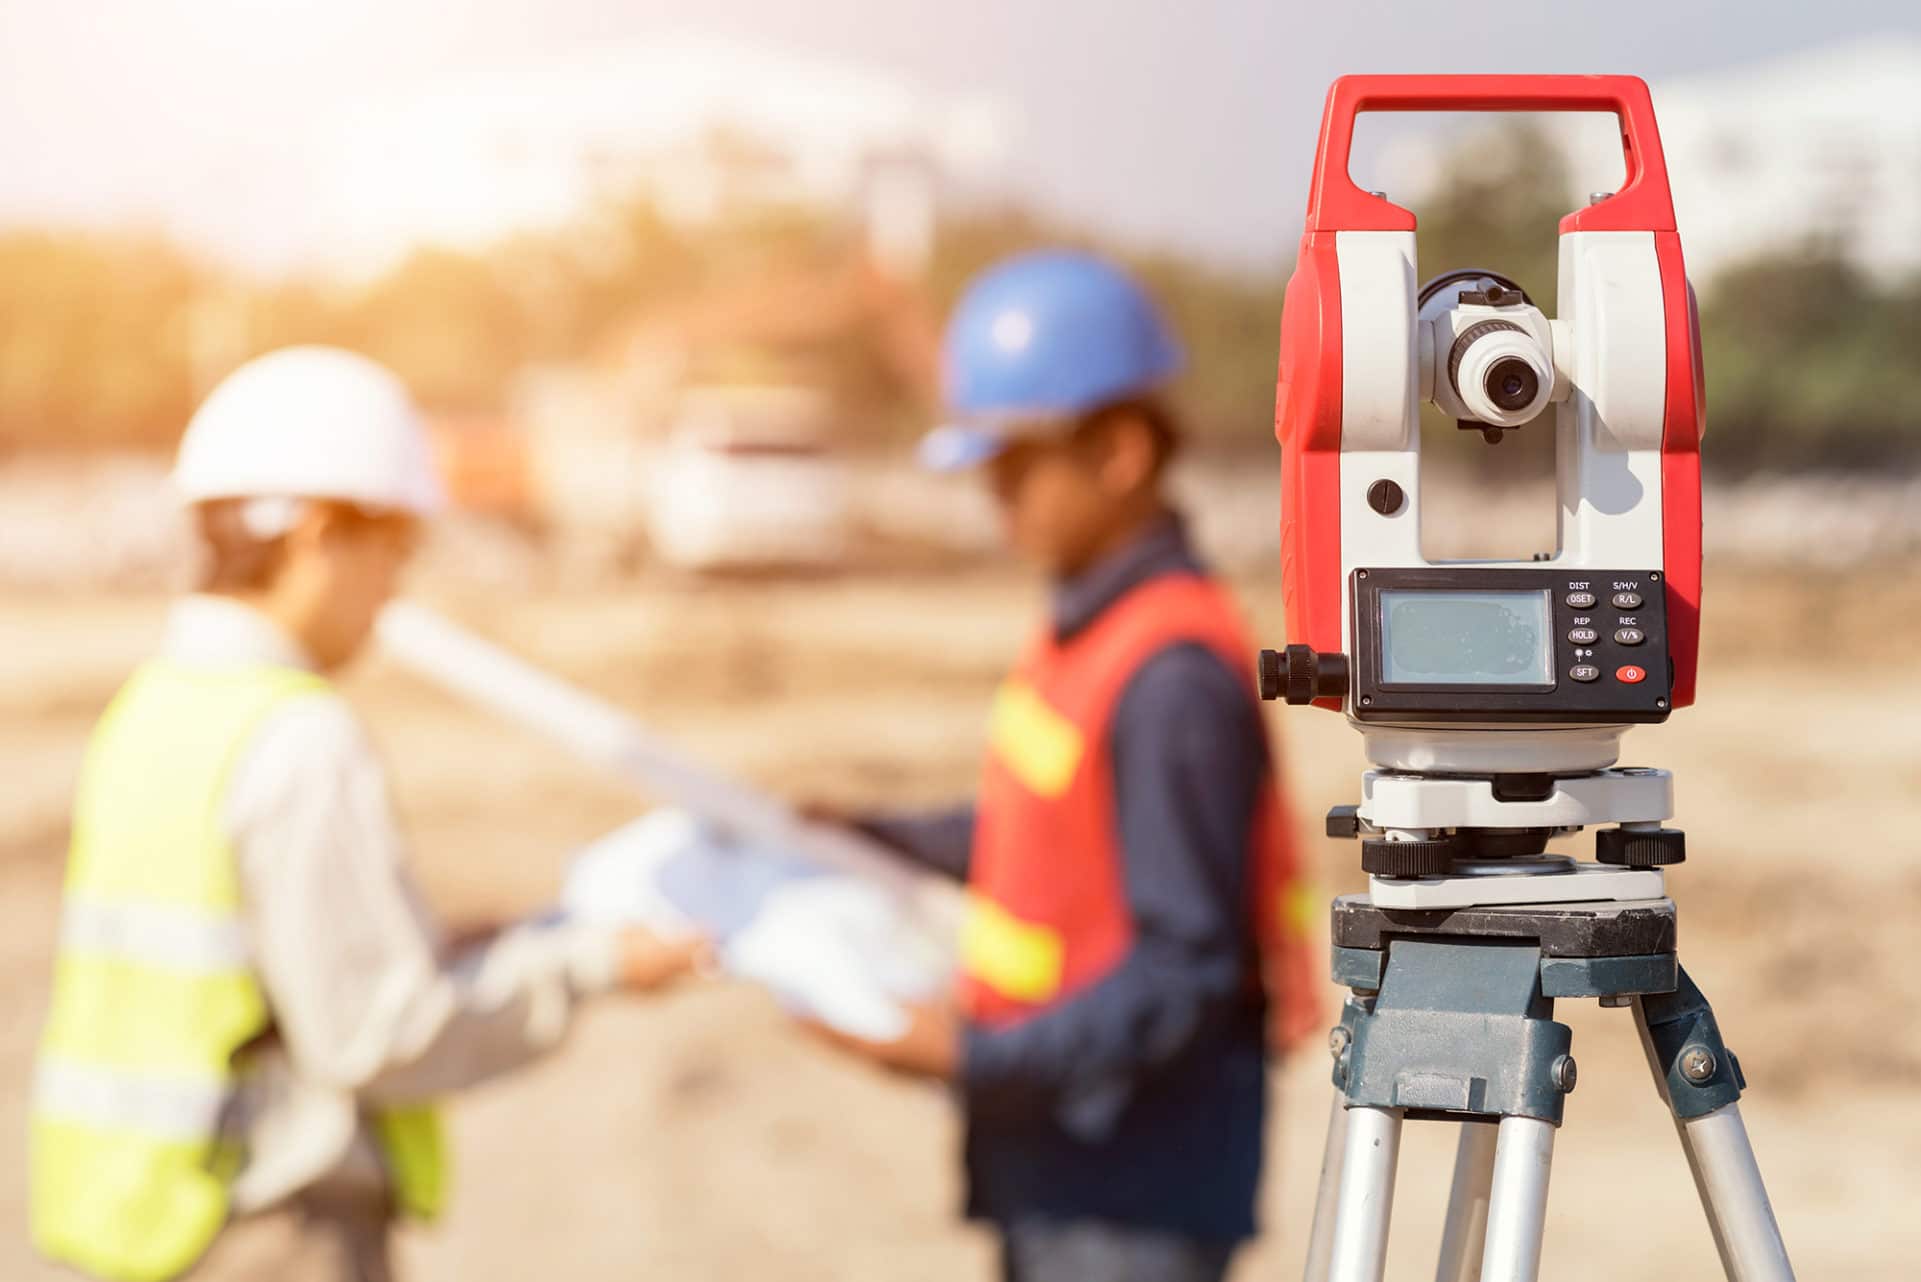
[1643, 203]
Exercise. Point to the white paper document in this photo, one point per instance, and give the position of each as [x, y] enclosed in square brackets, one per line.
[829, 945]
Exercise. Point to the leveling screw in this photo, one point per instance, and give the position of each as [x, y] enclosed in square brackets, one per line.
[1697, 1064]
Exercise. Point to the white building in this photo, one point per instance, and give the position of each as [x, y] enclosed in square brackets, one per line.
[1817, 149]
[1821, 149]
[702, 124]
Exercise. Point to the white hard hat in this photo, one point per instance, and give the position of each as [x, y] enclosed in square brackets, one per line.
[310, 423]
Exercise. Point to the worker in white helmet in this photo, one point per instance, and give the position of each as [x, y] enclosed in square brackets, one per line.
[253, 1012]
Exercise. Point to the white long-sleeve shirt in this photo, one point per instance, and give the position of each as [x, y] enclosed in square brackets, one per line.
[366, 1010]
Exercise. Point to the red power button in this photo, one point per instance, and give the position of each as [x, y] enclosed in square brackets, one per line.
[1630, 674]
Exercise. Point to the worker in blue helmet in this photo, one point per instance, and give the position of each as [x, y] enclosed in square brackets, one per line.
[1109, 1036]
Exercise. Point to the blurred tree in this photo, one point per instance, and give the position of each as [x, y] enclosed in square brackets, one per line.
[95, 338]
[1811, 364]
[449, 324]
[108, 341]
[1230, 324]
[967, 244]
[1499, 208]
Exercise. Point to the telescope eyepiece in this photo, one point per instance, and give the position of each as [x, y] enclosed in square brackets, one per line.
[1500, 373]
[1511, 383]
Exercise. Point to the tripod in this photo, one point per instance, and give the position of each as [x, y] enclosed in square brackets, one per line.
[1451, 1017]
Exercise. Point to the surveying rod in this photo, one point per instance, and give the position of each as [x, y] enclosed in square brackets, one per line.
[1491, 697]
[596, 731]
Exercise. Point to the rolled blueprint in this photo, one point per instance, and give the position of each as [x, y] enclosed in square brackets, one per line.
[609, 737]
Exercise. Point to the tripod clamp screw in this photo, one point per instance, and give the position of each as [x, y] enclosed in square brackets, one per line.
[1564, 1073]
[1698, 1064]
[1340, 1043]
[1344, 822]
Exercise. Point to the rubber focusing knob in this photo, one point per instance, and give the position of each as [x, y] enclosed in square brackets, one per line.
[1640, 848]
[1273, 674]
[1302, 664]
[1384, 858]
[1311, 675]
[1299, 675]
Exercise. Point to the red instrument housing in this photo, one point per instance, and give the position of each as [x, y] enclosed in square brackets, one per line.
[1307, 417]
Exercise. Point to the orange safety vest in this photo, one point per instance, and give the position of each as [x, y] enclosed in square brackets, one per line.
[1048, 913]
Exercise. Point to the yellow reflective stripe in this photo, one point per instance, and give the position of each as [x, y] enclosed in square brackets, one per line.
[129, 1015]
[414, 1142]
[168, 936]
[122, 1207]
[1019, 960]
[1301, 907]
[1038, 745]
[159, 1106]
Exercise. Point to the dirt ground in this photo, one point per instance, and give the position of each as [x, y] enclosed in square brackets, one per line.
[696, 1137]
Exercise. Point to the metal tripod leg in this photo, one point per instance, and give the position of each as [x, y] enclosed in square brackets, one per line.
[1366, 1194]
[1735, 1198]
[1699, 1081]
[1465, 1234]
[1320, 1241]
[1517, 1201]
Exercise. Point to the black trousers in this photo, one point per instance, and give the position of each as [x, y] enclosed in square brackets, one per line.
[1098, 1251]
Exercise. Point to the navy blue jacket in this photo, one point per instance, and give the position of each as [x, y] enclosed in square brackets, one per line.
[1141, 1098]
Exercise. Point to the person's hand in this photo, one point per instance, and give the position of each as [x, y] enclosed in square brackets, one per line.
[827, 814]
[649, 962]
[929, 1047]
[459, 936]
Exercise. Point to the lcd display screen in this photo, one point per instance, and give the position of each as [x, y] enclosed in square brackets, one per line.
[1467, 638]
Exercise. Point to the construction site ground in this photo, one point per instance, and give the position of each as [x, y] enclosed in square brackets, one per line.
[700, 1137]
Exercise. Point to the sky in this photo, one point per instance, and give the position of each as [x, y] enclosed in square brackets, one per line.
[1187, 125]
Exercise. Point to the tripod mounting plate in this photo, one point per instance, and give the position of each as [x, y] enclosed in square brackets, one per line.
[1562, 930]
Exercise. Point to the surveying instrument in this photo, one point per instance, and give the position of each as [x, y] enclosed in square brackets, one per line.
[1491, 696]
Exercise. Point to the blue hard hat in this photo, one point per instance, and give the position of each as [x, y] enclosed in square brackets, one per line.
[1037, 342]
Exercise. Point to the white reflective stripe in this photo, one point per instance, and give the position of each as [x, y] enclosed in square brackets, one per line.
[161, 935]
[166, 1107]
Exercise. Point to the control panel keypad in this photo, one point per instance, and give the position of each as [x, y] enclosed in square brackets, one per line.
[1619, 619]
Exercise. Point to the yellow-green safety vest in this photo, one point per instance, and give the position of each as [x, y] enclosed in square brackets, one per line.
[153, 993]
